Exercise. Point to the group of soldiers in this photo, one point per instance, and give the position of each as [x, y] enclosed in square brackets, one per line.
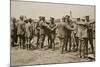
[73, 35]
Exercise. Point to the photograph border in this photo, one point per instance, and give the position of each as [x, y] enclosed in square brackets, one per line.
[52, 3]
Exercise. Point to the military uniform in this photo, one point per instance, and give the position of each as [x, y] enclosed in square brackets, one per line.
[28, 34]
[52, 35]
[63, 34]
[42, 33]
[83, 38]
[21, 33]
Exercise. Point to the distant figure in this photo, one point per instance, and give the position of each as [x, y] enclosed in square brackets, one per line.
[21, 32]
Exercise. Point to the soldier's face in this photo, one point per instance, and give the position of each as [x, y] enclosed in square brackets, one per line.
[87, 19]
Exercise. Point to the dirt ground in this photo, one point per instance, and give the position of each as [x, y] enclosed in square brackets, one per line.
[43, 56]
[33, 57]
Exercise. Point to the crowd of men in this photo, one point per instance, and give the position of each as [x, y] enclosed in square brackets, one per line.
[73, 35]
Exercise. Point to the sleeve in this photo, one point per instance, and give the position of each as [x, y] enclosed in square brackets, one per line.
[54, 27]
[68, 27]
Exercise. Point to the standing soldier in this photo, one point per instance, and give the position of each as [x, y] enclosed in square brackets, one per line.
[63, 34]
[68, 31]
[83, 38]
[90, 32]
[52, 33]
[28, 33]
[21, 31]
[38, 31]
[42, 33]
[77, 36]
[14, 31]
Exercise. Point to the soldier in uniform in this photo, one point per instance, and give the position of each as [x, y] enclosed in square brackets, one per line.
[38, 31]
[77, 34]
[21, 31]
[52, 33]
[28, 31]
[63, 34]
[83, 38]
[68, 31]
[14, 31]
[42, 33]
[90, 32]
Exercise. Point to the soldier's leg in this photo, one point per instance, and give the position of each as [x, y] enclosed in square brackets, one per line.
[70, 44]
[20, 37]
[41, 41]
[18, 40]
[50, 42]
[91, 41]
[42, 45]
[80, 48]
[21, 41]
[12, 40]
[77, 42]
[90, 38]
[61, 46]
[38, 38]
[83, 48]
[66, 43]
[24, 42]
[86, 46]
[53, 42]
[29, 42]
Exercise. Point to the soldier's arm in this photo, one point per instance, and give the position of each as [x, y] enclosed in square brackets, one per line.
[54, 27]
[69, 27]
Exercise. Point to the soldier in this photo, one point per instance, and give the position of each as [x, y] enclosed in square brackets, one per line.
[42, 33]
[68, 31]
[38, 31]
[21, 31]
[90, 32]
[63, 34]
[77, 35]
[52, 33]
[14, 31]
[83, 38]
[28, 31]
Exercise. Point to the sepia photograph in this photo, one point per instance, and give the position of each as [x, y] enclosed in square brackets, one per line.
[51, 33]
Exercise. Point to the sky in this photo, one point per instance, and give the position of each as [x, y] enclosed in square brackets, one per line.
[35, 9]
